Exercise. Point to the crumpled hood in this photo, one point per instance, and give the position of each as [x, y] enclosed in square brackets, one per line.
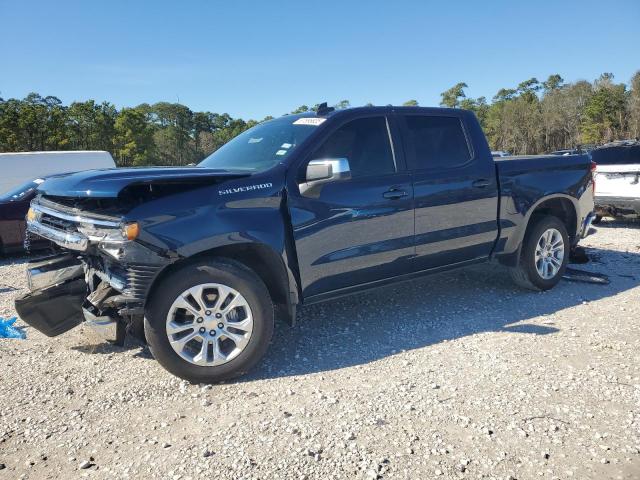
[108, 183]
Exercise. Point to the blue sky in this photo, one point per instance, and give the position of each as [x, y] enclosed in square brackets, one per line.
[254, 58]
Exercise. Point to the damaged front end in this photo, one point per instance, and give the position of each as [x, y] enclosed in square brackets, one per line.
[59, 300]
[54, 304]
[102, 280]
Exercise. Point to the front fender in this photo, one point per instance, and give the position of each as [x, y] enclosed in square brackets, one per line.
[249, 229]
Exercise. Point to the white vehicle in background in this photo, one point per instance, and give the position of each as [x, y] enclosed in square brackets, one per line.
[500, 153]
[617, 179]
[19, 168]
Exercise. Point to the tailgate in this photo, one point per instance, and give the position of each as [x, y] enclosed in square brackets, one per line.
[618, 181]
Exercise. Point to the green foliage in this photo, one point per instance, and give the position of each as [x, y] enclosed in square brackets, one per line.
[533, 117]
[301, 109]
[159, 134]
[91, 126]
[452, 97]
[342, 104]
[634, 107]
[554, 82]
[539, 117]
[605, 113]
[133, 138]
[410, 103]
[478, 106]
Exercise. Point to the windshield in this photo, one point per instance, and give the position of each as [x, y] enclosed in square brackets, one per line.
[262, 146]
[21, 191]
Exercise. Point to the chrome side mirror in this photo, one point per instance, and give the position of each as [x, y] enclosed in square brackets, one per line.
[322, 171]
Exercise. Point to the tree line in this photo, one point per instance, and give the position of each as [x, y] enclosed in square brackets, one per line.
[533, 117]
[536, 117]
[159, 134]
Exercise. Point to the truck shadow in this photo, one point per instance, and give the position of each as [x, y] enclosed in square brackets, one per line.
[367, 327]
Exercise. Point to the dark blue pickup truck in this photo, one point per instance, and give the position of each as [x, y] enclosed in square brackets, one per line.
[296, 210]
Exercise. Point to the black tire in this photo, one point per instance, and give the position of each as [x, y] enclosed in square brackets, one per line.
[597, 219]
[525, 274]
[226, 272]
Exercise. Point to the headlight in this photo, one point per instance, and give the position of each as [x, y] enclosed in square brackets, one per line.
[110, 240]
[31, 215]
[126, 232]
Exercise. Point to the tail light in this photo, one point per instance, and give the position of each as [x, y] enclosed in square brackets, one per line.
[593, 175]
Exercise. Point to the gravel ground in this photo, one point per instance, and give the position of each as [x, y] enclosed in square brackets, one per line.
[459, 375]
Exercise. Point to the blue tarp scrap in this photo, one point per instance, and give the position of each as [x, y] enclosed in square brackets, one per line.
[7, 330]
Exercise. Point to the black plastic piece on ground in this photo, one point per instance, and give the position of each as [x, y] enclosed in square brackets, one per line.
[53, 310]
[574, 275]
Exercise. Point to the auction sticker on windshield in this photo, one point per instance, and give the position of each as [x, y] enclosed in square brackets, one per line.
[309, 121]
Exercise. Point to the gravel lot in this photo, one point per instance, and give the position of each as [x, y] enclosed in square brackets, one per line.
[459, 375]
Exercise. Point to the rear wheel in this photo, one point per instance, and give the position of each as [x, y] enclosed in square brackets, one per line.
[210, 321]
[544, 254]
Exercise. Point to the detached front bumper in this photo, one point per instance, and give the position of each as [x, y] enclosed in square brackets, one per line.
[60, 299]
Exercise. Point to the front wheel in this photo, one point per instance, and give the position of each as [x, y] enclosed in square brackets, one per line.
[209, 321]
[544, 254]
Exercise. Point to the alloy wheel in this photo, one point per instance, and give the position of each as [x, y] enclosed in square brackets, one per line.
[549, 253]
[209, 324]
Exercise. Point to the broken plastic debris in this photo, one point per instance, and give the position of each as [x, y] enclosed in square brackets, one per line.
[575, 275]
[7, 330]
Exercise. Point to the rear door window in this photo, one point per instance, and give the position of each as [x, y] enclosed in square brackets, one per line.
[435, 142]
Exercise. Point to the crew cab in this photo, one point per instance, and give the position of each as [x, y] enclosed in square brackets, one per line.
[296, 210]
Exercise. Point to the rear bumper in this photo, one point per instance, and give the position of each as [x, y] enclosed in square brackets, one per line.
[629, 205]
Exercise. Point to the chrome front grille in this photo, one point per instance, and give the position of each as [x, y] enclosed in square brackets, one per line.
[61, 225]
[57, 222]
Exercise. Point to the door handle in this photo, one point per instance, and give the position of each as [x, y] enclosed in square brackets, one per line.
[481, 183]
[394, 194]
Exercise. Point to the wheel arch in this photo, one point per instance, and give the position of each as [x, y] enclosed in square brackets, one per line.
[562, 206]
[260, 258]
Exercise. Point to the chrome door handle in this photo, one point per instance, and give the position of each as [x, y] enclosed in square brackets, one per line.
[394, 194]
[481, 183]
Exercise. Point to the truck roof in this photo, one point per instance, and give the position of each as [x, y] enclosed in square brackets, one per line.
[383, 109]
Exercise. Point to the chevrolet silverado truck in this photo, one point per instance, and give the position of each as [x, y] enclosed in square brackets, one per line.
[296, 210]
